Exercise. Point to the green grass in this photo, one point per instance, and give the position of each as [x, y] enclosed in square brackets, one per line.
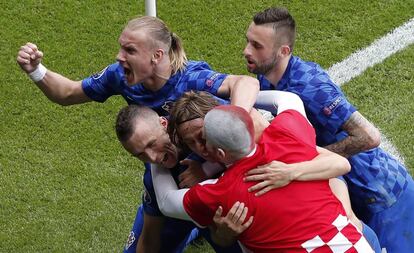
[66, 185]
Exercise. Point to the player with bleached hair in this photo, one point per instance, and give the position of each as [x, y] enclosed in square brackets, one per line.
[152, 70]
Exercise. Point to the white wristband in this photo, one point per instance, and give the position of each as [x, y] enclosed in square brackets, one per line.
[38, 74]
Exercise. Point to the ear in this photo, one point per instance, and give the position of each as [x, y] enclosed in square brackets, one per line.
[284, 51]
[164, 122]
[221, 154]
[157, 56]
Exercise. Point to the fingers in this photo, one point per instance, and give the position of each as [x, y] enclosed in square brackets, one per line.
[247, 223]
[186, 162]
[263, 191]
[217, 214]
[258, 170]
[29, 57]
[258, 186]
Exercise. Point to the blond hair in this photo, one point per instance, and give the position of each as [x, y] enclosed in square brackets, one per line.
[161, 35]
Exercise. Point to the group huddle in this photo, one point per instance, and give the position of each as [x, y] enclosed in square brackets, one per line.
[310, 179]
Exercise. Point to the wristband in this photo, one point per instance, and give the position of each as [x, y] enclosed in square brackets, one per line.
[38, 74]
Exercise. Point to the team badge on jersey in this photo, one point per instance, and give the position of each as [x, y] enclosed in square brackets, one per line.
[212, 79]
[99, 74]
[327, 110]
[167, 106]
[130, 240]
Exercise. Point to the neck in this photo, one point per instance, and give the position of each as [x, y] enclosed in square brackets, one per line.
[161, 74]
[276, 74]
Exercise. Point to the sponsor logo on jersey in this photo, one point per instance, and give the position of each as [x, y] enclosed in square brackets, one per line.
[212, 79]
[327, 110]
[99, 74]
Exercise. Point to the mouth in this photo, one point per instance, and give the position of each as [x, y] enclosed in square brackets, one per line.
[250, 63]
[128, 75]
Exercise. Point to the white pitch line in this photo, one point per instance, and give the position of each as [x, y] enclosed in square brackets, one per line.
[378, 51]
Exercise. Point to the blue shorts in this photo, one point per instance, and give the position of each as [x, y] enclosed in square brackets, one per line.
[176, 234]
[394, 226]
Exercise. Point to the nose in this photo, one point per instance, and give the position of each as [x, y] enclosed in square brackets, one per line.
[120, 56]
[151, 156]
[246, 51]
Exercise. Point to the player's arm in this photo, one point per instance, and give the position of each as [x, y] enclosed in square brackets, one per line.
[362, 135]
[150, 237]
[56, 87]
[242, 90]
[169, 197]
[276, 102]
[278, 174]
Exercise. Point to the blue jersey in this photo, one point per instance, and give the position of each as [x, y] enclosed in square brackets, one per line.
[377, 179]
[111, 81]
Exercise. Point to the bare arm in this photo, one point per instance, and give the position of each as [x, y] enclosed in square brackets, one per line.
[362, 136]
[242, 90]
[150, 239]
[278, 174]
[56, 87]
[340, 190]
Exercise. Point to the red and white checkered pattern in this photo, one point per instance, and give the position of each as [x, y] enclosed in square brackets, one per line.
[344, 237]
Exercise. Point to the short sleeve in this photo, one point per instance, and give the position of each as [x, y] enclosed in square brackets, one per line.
[102, 85]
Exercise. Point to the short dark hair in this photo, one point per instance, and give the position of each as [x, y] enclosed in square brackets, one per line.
[191, 105]
[127, 118]
[281, 21]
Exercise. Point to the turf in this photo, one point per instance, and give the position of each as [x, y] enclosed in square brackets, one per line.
[66, 185]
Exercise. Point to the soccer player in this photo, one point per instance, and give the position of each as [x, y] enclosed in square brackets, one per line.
[152, 70]
[300, 216]
[381, 189]
[143, 133]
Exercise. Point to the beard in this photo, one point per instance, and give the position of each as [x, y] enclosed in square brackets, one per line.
[264, 67]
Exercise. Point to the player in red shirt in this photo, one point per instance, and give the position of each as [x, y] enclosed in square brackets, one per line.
[300, 217]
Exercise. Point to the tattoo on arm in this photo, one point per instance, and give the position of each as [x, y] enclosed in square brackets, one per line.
[362, 135]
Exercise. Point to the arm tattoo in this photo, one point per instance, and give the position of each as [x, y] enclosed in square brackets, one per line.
[362, 135]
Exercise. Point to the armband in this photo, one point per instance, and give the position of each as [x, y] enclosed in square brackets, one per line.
[38, 74]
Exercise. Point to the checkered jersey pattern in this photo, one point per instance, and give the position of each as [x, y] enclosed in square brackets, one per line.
[377, 179]
[111, 81]
[340, 239]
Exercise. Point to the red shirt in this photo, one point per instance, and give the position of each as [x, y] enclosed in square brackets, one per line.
[298, 216]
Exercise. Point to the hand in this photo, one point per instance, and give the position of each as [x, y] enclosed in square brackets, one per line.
[193, 175]
[273, 175]
[232, 225]
[29, 57]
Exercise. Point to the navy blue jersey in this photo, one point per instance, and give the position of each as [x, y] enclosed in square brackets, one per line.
[376, 179]
[111, 81]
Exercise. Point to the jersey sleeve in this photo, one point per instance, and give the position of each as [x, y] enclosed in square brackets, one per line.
[200, 77]
[326, 105]
[102, 85]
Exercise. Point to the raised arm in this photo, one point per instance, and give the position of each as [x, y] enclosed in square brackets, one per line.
[242, 90]
[56, 87]
[362, 135]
